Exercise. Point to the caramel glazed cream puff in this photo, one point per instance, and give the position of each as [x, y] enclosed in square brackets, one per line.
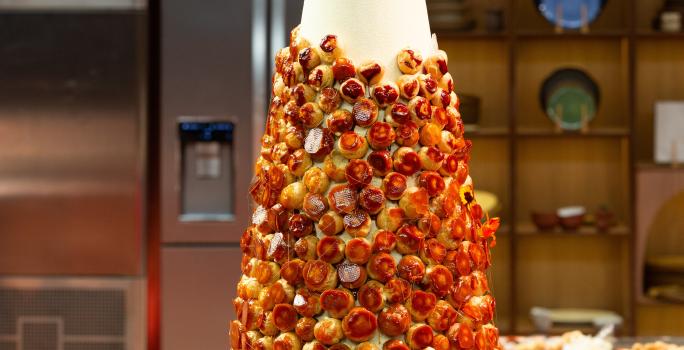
[366, 232]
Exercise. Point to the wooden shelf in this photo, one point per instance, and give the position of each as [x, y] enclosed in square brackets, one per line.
[650, 35]
[472, 35]
[606, 35]
[662, 167]
[592, 132]
[518, 155]
[527, 229]
[486, 132]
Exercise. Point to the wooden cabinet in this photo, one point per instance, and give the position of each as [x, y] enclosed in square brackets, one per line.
[518, 155]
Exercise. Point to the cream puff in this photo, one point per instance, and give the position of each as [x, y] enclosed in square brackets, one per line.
[294, 138]
[409, 86]
[287, 341]
[337, 302]
[446, 82]
[365, 112]
[461, 335]
[385, 93]
[439, 280]
[264, 343]
[299, 225]
[406, 161]
[329, 331]
[351, 90]
[407, 134]
[351, 275]
[409, 239]
[319, 275]
[339, 121]
[292, 196]
[370, 73]
[359, 324]
[305, 247]
[441, 98]
[266, 272]
[394, 185]
[381, 267]
[343, 69]
[331, 223]
[372, 199]
[367, 346]
[433, 252]
[381, 136]
[307, 303]
[431, 158]
[421, 304]
[334, 165]
[420, 110]
[381, 162]
[409, 61]
[430, 223]
[397, 290]
[390, 218]
[305, 328]
[299, 162]
[329, 100]
[396, 344]
[439, 117]
[343, 199]
[291, 271]
[284, 317]
[397, 114]
[319, 142]
[330, 249]
[383, 241]
[411, 268]
[442, 317]
[352, 145]
[419, 336]
[394, 320]
[320, 77]
[437, 64]
[302, 94]
[370, 296]
[308, 58]
[430, 134]
[315, 205]
[357, 223]
[432, 182]
[415, 202]
[315, 180]
[358, 173]
[358, 250]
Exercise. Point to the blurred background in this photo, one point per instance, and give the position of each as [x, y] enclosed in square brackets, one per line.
[128, 129]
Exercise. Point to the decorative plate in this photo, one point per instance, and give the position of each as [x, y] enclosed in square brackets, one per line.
[571, 11]
[571, 92]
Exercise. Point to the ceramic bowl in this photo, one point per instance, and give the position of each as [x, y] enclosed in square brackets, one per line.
[571, 218]
[545, 221]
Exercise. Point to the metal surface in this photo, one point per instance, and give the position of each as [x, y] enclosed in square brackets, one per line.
[71, 144]
[198, 286]
[72, 313]
[206, 71]
[71, 5]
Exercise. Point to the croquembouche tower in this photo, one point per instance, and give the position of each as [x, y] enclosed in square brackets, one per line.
[366, 233]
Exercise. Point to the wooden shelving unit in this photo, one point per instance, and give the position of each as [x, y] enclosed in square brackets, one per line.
[519, 156]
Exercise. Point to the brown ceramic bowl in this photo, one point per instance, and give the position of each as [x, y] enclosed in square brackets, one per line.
[571, 218]
[571, 223]
[545, 221]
